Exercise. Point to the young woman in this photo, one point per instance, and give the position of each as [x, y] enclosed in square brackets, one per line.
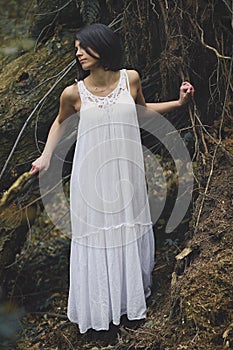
[112, 247]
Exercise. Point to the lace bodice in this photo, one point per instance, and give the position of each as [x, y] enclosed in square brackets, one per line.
[88, 98]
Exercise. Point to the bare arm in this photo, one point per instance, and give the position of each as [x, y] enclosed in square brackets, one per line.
[67, 108]
[186, 91]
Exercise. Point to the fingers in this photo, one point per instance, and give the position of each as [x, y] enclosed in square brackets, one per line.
[34, 169]
[187, 88]
[39, 166]
[186, 92]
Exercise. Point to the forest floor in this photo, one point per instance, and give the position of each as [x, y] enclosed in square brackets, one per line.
[191, 302]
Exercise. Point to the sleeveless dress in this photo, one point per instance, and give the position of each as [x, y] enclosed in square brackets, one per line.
[112, 245]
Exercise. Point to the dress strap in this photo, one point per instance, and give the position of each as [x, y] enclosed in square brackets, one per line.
[126, 79]
[82, 91]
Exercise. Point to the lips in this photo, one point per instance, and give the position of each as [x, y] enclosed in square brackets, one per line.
[82, 61]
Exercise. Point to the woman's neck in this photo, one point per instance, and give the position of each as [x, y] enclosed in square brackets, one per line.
[101, 78]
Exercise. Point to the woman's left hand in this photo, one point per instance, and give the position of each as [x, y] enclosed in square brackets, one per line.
[186, 91]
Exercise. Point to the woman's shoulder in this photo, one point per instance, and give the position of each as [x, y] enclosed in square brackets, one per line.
[70, 97]
[133, 75]
[71, 92]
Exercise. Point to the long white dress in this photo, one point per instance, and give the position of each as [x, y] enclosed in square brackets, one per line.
[112, 246]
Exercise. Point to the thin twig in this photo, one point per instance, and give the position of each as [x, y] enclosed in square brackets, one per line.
[159, 267]
[31, 115]
[195, 133]
[55, 11]
[210, 47]
[50, 314]
[42, 31]
[46, 193]
[215, 152]
[68, 341]
[225, 101]
[206, 190]
[153, 8]
[228, 6]
[217, 142]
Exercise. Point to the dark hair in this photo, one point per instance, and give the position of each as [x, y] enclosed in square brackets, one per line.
[105, 42]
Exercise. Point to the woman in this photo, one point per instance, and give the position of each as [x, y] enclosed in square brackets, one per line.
[112, 247]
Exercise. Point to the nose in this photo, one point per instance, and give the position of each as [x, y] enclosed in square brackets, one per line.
[79, 52]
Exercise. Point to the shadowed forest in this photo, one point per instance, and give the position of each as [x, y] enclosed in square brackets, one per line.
[167, 41]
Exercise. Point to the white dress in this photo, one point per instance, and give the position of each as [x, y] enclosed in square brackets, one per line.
[112, 246]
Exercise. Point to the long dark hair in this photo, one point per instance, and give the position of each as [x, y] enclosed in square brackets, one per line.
[105, 42]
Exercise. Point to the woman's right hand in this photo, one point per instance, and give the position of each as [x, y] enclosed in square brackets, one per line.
[40, 165]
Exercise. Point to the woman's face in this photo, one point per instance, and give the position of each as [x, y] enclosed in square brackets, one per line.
[87, 62]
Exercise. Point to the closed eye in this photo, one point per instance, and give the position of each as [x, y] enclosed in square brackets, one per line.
[79, 47]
